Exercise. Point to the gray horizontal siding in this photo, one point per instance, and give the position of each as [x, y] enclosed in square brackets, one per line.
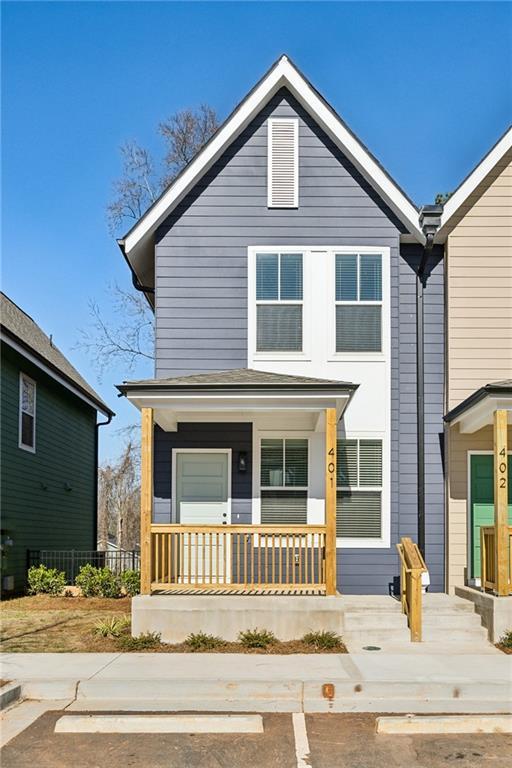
[201, 307]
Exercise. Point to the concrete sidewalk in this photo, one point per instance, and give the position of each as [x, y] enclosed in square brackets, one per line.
[371, 682]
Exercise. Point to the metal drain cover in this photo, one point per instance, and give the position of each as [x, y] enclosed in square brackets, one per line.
[371, 648]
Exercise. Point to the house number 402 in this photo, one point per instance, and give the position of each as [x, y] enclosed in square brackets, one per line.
[502, 469]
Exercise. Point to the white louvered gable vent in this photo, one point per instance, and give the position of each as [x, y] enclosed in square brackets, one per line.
[283, 163]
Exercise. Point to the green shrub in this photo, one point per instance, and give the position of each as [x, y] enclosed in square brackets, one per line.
[506, 640]
[202, 642]
[113, 627]
[140, 643]
[256, 638]
[46, 581]
[131, 582]
[324, 640]
[98, 582]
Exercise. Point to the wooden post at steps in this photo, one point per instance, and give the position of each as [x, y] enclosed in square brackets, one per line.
[146, 499]
[331, 421]
[501, 502]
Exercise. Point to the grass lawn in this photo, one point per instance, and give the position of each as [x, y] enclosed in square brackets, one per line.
[66, 624]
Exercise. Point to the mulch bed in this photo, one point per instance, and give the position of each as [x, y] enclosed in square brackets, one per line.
[503, 648]
[284, 648]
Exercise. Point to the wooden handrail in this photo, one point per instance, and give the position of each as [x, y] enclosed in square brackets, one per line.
[229, 557]
[412, 565]
[488, 565]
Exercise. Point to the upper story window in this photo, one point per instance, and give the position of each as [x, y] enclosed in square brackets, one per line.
[283, 163]
[359, 489]
[279, 302]
[27, 414]
[358, 281]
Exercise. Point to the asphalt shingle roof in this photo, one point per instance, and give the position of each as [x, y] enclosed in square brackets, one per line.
[503, 388]
[22, 328]
[244, 377]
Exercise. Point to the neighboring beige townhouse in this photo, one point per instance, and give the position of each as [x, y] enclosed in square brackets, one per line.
[476, 227]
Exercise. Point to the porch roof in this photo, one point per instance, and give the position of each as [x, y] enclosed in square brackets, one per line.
[477, 410]
[240, 392]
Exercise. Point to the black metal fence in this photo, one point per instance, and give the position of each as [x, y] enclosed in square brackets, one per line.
[71, 560]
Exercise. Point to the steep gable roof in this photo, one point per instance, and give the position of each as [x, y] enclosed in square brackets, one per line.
[491, 162]
[21, 328]
[137, 243]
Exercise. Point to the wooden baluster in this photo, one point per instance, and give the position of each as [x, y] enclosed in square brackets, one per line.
[273, 558]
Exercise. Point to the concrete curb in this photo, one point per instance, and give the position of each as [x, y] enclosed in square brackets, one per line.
[9, 693]
[410, 724]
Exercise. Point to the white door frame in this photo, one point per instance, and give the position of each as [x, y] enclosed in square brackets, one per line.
[174, 454]
[473, 582]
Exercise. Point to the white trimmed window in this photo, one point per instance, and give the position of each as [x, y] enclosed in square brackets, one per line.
[358, 298]
[284, 481]
[283, 163]
[279, 302]
[359, 489]
[27, 414]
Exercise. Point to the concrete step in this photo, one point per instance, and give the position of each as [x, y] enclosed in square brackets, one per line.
[368, 620]
[440, 603]
[478, 635]
[455, 621]
[362, 637]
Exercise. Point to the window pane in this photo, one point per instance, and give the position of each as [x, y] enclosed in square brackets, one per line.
[267, 265]
[27, 430]
[370, 277]
[284, 507]
[358, 514]
[291, 276]
[271, 472]
[370, 462]
[296, 462]
[346, 463]
[279, 328]
[27, 396]
[358, 328]
[346, 277]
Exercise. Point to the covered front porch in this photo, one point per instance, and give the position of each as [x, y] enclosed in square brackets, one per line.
[218, 438]
[480, 439]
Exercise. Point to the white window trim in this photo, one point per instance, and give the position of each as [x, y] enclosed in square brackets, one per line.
[175, 451]
[29, 448]
[253, 302]
[384, 541]
[385, 303]
[270, 123]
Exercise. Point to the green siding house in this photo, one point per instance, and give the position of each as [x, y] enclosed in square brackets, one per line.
[49, 441]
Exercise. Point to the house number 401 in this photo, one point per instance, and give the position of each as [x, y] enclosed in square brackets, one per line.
[331, 468]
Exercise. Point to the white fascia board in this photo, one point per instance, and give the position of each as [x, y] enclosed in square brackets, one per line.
[283, 74]
[50, 372]
[482, 414]
[226, 403]
[475, 178]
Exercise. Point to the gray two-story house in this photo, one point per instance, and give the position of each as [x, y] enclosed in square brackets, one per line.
[292, 281]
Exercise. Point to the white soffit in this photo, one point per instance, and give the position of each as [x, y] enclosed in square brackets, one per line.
[282, 74]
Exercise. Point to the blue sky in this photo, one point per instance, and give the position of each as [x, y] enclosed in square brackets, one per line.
[427, 86]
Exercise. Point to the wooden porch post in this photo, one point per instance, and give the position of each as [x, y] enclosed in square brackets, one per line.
[331, 421]
[146, 499]
[501, 501]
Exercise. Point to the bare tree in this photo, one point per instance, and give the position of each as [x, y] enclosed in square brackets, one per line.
[119, 499]
[127, 339]
[142, 179]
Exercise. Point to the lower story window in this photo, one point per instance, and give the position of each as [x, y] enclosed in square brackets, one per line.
[284, 481]
[359, 489]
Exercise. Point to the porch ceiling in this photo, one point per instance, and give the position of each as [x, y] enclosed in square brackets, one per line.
[239, 394]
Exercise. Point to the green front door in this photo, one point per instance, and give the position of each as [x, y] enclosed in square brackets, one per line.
[482, 502]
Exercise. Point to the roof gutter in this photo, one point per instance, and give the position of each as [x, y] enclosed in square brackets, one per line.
[430, 221]
[96, 478]
[145, 289]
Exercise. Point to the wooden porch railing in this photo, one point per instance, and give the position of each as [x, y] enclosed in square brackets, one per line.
[234, 557]
[412, 566]
[488, 568]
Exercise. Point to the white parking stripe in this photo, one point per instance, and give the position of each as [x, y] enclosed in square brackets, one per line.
[301, 740]
[159, 724]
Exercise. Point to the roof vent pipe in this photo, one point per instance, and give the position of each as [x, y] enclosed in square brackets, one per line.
[430, 221]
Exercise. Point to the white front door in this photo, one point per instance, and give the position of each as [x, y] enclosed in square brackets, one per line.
[203, 498]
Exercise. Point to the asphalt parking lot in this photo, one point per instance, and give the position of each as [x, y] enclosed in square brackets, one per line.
[334, 741]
